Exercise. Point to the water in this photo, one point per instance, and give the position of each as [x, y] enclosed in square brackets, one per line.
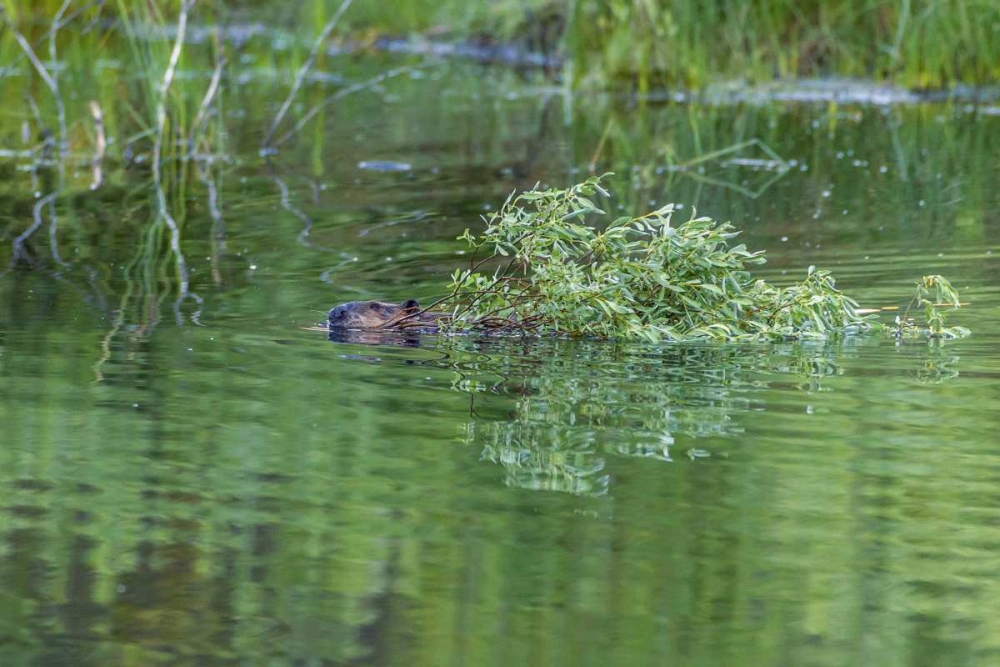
[237, 489]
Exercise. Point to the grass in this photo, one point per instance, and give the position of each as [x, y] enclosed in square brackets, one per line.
[653, 43]
[689, 42]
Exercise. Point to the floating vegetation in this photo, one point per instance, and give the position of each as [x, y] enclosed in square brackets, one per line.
[646, 278]
[934, 317]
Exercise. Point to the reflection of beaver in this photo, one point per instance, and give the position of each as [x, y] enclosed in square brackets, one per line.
[380, 315]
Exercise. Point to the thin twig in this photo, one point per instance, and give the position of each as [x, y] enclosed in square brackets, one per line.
[161, 121]
[53, 29]
[306, 66]
[206, 104]
[47, 77]
[62, 24]
[343, 92]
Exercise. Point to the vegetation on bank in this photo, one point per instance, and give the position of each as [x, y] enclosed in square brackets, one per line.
[650, 43]
[645, 278]
[915, 43]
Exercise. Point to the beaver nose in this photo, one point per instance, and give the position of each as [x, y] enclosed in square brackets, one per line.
[336, 313]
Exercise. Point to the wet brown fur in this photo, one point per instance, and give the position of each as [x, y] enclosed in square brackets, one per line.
[372, 315]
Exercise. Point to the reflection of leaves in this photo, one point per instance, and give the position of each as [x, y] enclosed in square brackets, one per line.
[568, 464]
[936, 366]
[570, 416]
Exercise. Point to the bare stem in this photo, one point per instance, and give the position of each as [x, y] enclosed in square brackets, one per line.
[306, 66]
[340, 94]
[161, 122]
[60, 110]
[206, 104]
[50, 81]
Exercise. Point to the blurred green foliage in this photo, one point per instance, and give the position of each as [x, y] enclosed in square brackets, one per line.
[652, 43]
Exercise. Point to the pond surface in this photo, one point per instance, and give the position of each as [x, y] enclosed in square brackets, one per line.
[218, 485]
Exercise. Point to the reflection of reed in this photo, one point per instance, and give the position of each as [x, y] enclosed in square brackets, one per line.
[19, 253]
[218, 224]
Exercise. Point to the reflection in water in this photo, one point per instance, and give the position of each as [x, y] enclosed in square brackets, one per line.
[578, 403]
[245, 492]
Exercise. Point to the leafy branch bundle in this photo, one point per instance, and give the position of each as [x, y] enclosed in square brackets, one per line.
[645, 278]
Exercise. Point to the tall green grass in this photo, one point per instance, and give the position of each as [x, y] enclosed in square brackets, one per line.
[650, 43]
[917, 43]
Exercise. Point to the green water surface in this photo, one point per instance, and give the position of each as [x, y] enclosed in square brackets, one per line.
[216, 484]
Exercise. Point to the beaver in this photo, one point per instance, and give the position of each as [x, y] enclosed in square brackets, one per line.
[381, 315]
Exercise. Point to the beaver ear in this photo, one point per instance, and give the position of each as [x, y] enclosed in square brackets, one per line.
[410, 306]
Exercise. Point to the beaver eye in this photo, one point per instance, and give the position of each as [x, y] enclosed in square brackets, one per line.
[376, 306]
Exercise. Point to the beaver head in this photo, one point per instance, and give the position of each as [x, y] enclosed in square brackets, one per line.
[371, 314]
